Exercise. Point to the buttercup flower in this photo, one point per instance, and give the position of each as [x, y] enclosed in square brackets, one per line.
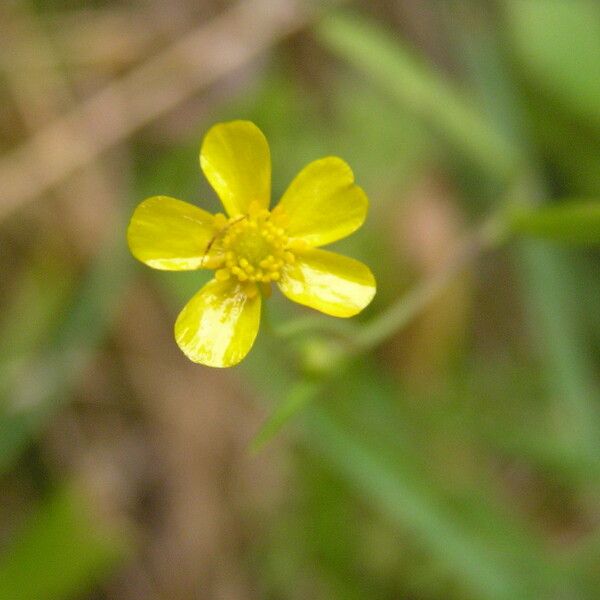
[252, 247]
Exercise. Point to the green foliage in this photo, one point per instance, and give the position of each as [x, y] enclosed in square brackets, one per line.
[420, 90]
[478, 481]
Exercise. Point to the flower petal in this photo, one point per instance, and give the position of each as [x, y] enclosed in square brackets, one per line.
[169, 234]
[332, 283]
[236, 160]
[323, 204]
[217, 327]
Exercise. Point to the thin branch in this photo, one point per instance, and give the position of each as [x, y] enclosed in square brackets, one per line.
[42, 98]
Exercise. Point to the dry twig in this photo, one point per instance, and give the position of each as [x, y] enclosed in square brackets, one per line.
[212, 51]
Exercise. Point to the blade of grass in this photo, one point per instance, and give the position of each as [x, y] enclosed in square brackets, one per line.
[547, 281]
[417, 88]
[482, 547]
[362, 434]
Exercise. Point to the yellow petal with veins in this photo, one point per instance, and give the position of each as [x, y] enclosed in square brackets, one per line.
[169, 234]
[218, 326]
[334, 284]
[322, 204]
[236, 160]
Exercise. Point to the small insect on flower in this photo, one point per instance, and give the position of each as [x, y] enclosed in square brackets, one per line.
[251, 248]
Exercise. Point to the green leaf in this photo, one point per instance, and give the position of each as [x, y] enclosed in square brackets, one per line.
[575, 222]
[62, 552]
[420, 90]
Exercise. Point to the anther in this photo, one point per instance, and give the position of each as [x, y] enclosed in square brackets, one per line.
[254, 248]
[212, 261]
[297, 244]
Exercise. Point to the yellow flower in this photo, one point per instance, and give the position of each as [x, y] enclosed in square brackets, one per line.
[252, 247]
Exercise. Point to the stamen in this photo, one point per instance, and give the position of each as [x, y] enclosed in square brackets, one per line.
[297, 244]
[253, 248]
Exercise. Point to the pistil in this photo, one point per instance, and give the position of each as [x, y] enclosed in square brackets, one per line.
[253, 248]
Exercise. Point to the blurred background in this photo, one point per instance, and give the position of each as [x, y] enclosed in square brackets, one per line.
[458, 459]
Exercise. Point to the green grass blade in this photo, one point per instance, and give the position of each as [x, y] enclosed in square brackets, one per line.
[550, 291]
[419, 89]
[482, 557]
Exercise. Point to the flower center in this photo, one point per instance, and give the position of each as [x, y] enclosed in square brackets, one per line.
[254, 248]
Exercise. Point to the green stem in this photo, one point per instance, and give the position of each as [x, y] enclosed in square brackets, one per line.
[492, 234]
[400, 313]
[301, 393]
